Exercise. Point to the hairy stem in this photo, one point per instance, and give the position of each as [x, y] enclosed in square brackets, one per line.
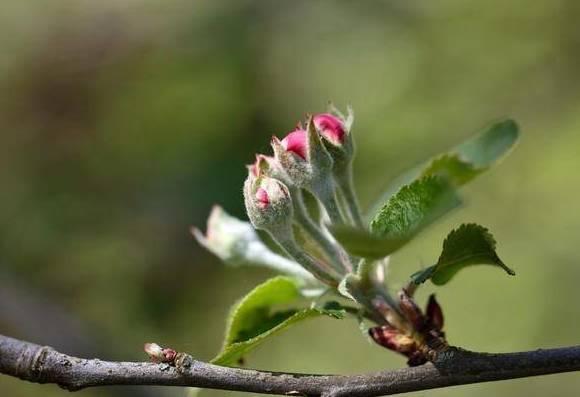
[319, 269]
[334, 252]
[345, 182]
[326, 194]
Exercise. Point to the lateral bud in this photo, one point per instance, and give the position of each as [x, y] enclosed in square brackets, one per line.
[159, 354]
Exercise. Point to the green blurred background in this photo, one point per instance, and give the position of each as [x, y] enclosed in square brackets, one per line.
[123, 122]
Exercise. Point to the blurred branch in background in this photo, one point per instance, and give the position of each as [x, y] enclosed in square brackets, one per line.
[453, 366]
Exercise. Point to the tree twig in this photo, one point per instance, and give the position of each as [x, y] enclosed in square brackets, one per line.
[454, 366]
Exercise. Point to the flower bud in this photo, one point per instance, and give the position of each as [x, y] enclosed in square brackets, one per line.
[296, 142]
[334, 128]
[303, 157]
[335, 131]
[159, 354]
[269, 166]
[330, 127]
[308, 165]
[268, 204]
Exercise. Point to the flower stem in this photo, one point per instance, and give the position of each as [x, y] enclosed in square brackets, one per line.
[259, 254]
[375, 290]
[337, 256]
[344, 180]
[319, 269]
[325, 192]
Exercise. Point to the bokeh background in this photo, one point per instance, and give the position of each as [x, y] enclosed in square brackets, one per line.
[121, 123]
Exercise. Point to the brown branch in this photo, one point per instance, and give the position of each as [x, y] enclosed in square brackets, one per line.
[454, 366]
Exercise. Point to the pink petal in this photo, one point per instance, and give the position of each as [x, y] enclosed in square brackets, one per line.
[331, 127]
[263, 199]
[296, 142]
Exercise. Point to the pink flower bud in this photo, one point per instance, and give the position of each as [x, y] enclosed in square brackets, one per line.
[330, 127]
[296, 142]
[268, 203]
[304, 161]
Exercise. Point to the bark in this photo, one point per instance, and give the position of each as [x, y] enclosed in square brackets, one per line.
[454, 366]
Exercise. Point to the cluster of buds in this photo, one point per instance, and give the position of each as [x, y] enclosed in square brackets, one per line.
[418, 335]
[316, 159]
[312, 164]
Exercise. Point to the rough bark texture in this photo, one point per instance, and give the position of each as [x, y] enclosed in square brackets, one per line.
[454, 366]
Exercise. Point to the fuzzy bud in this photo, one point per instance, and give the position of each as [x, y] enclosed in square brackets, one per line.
[330, 127]
[335, 132]
[268, 204]
[296, 142]
[303, 157]
[269, 166]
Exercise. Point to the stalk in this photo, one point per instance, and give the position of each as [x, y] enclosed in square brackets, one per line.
[337, 256]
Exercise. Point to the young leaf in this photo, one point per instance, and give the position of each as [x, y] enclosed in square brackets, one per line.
[470, 244]
[237, 243]
[485, 149]
[362, 243]
[462, 163]
[252, 320]
[453, 169]
[414, 207]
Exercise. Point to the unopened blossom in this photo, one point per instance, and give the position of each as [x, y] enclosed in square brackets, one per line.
[296, 142]
[268, 203]
[330, 127]
[301, 154]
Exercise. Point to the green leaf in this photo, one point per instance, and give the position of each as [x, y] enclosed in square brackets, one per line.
[362, 243]
[452, 168]
[237, 243]
[470, 244]
[485, 149]
[462, 163]
[253, 319]
[414, 207]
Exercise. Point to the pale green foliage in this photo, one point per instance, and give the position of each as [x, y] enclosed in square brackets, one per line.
[254, 318]
[470, 244]
[462, 163]
[414, 207]
[363, 243]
